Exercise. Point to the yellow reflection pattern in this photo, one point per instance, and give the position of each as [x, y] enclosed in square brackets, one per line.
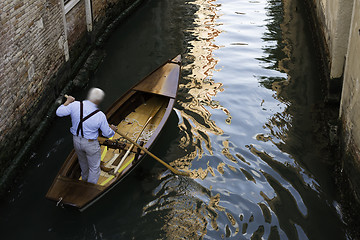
[199, 89]
[187, 217]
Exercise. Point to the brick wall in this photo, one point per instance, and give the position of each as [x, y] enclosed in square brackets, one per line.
[33, 70]
[31, 51]
[99, 9]
[76, 23]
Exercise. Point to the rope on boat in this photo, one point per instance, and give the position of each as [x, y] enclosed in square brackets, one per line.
[147, 133]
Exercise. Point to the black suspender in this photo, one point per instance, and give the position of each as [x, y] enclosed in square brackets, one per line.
[83, 119]
[80, 126]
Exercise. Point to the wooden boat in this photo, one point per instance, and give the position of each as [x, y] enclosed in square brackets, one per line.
[141, 114]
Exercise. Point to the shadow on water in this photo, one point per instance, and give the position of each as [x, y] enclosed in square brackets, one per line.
[248, 126]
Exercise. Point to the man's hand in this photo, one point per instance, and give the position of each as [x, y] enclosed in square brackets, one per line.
[69, 99]
[113, 127]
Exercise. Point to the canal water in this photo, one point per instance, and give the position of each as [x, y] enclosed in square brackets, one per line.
[248, 124]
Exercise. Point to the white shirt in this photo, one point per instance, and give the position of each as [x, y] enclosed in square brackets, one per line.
[92, 125]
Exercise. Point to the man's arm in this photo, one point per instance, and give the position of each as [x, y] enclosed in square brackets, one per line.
[64, 109]
[69, 99]
[106, 130]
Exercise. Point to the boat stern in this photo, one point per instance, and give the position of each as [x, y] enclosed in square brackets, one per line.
[73, 192]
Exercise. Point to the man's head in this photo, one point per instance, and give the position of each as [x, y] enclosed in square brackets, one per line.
[96, 95]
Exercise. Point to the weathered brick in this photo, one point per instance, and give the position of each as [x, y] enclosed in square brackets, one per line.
[18, 5]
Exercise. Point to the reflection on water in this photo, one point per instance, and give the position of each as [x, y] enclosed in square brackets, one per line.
[187, 216]
[277, 56]
[199, 89]
[287, 54]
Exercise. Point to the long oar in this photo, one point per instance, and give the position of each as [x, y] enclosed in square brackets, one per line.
[152, 115]
[175, 171]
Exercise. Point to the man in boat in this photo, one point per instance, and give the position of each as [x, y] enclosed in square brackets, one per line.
[87, 120]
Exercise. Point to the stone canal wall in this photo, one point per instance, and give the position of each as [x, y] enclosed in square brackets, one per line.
[43, 44]
[339, 22]
[350, 103]
[335, 17]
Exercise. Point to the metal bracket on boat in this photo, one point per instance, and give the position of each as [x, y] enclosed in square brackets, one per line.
[59, 202]
[115, 144]
[138, 151]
